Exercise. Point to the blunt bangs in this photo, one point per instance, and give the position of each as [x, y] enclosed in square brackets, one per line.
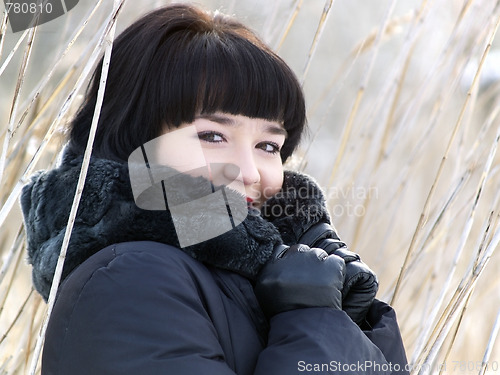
[179, 62]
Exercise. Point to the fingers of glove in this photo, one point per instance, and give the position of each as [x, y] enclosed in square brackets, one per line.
[346, 254]
[295, 249]
[279, 252]
[360, 289]
[299, 263]
[301, 277]
[337, 270]
[359, 279]
[284, 251]
[317, 233]
[331, 246]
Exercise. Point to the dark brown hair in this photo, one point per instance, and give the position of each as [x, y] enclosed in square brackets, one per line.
[177, 62]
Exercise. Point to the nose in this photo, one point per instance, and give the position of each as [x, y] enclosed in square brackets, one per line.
[243, 168]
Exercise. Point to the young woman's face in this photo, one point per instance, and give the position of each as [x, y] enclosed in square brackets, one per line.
[235, 148]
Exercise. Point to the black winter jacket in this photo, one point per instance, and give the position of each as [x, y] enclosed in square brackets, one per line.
[149, 308]
[132, 302]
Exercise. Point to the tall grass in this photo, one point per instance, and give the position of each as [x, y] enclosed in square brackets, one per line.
[403, 102]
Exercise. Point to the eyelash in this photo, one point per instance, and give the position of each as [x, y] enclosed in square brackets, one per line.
[275, 146]
[208, 136]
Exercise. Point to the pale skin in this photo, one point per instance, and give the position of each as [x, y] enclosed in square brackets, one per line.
[241, 152]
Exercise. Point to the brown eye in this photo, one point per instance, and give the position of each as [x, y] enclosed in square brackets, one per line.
[211, 137]
[269, 147]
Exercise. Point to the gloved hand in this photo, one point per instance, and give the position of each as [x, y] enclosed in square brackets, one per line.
[298, 277]
[360, 285]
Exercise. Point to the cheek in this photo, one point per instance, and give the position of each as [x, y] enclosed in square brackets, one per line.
[170, 149]
[272, 181]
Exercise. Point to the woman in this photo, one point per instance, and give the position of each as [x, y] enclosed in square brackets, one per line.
[192, 251]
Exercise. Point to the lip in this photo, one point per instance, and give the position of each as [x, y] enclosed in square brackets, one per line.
[252, 203]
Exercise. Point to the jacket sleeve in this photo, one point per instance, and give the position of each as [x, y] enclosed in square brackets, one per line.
[319, 340]
[384, 333]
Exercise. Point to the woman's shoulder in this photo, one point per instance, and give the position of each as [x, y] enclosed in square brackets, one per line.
[152, 251]
[139, 254]
[137, 264]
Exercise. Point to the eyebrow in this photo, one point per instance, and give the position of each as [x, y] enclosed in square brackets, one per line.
[225, 120]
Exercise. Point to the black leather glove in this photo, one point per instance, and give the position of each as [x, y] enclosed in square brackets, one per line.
[298, 277]
[360, 285]
[299, 213]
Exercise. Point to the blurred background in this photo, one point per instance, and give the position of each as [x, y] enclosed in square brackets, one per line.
[403, 105]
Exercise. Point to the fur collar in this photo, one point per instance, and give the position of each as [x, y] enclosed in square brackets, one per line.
[108, 214]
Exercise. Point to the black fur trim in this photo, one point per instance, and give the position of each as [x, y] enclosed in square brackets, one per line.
[108, 214]
[297, 207]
